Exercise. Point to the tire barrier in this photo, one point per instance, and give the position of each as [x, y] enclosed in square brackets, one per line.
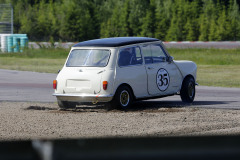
[13, 42]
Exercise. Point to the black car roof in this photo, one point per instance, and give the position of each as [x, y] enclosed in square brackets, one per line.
[114, 42]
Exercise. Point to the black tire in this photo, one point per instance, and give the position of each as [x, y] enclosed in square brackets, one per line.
[187, 92]
[122, 99]
[66, 105]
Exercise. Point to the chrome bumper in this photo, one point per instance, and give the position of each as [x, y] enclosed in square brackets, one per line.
[93, 98]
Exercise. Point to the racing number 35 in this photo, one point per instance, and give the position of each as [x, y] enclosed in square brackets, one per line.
[163, 79]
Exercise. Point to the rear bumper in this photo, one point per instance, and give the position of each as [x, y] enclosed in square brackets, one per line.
[93, 98]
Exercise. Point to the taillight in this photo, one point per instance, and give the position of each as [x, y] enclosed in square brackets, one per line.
[105, 83]
[54, 84]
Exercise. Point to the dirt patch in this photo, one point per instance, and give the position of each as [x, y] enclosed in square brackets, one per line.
[28, 120]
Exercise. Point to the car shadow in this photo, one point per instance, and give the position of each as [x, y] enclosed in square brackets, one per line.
[150, 106]
[145, 106]
[39, 108]
[155, 105]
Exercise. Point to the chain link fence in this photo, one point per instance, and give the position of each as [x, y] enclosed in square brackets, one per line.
[6, 19]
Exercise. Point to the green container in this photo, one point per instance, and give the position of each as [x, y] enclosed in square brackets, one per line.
[23, 43]
[10, 43]
[16, 43]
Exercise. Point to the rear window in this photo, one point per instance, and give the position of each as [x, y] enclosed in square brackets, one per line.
[88, 57]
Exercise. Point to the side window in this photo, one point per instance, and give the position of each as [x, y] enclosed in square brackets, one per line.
[158, 54]
[153, 54]
[147, 53]
[138, 59]
[130, 56]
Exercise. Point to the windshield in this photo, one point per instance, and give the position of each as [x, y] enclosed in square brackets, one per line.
[88, 57]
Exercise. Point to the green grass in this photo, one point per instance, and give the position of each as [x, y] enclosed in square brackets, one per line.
[216, 67]
[32, 64]
[37, 60]
[219, 75]
[49, 53]
[208, 56]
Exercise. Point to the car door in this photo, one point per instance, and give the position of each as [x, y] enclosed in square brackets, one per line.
[164, 78]
[130, 70]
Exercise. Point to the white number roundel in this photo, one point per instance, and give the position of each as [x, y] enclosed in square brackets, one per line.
[163, 79]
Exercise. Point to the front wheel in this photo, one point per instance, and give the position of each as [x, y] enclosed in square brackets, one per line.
[66, 104]
[187, 92]
[123, 98]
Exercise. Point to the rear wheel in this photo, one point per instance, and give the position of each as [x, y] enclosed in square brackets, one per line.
[187, 92]
[66, 104]
[123, 98]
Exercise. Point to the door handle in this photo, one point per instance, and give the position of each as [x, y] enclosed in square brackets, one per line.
[150, 67]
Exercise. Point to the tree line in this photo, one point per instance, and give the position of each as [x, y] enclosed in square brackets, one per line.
[168, 20]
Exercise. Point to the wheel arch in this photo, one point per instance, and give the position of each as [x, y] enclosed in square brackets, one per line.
[188, 76]
[125, 84]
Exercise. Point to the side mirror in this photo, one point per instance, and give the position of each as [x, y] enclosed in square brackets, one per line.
[170, 59]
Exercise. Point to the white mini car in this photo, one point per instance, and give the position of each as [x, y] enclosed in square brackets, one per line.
[118, 71]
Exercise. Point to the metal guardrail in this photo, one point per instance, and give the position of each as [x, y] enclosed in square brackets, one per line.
[172, 44]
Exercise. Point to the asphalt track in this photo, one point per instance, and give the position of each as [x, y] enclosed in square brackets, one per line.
[24, 86]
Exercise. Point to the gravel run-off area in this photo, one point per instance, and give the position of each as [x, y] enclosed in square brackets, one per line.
[29, 120]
